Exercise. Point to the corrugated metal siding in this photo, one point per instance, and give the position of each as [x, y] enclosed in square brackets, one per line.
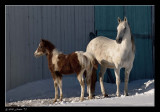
[140, 20]
[67, 27]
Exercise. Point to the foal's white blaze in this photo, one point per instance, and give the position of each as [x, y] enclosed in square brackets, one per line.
[36, 53]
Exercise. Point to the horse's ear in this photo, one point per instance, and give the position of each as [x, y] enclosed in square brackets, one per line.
[119, 20]
[125, 19]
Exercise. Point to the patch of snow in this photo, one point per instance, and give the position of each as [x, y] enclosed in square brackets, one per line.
[41, 93]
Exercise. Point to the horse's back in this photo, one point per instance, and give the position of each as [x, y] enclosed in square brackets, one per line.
[100, 43]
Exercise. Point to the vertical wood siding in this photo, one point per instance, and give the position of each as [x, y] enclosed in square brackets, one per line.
[68, 27]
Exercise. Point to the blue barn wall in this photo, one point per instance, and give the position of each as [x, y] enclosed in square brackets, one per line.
[140, 19]
[67, 27]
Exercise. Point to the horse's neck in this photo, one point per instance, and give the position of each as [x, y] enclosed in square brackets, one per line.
[126, 43]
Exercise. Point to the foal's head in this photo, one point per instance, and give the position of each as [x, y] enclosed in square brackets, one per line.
[122, 29]
[45, 47]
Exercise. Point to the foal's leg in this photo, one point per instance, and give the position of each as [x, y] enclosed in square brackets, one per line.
[60, 88]
[81, 81]
[117, 71]
[56, 90]
[127, 73]
[101, 75]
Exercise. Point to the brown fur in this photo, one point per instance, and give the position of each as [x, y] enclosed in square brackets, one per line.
[94, 76]
[68, 64]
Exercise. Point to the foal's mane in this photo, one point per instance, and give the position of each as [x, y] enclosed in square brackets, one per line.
[48, 44]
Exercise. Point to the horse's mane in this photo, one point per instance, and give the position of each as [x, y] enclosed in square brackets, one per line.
[132, 40]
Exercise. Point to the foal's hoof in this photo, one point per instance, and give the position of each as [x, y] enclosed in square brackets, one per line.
[81, 99]
[90, 97]
[60, 99]
[55, 100]
[118, 95]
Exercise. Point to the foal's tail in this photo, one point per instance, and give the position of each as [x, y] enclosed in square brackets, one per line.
[94, 76]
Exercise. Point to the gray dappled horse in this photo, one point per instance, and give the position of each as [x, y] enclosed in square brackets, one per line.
[115, 54]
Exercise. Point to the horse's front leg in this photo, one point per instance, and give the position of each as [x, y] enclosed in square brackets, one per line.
[127, 73]
[101, 75]
[117, 74]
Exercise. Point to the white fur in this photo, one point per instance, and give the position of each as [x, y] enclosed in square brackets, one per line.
[87, 63]
[86, 60]
[55, 54]
[37, 54]
[110, 54]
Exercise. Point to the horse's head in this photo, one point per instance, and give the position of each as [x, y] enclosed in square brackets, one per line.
[41, 50]
[121, 29]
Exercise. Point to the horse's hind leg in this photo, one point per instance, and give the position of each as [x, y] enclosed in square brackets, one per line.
[88, 78]
[127, 73]
[117, 74]
[101, 75]
[81, 81]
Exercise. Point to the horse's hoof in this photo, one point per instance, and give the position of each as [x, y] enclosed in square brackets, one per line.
[126, 94]
[105, 95]
[93, 96]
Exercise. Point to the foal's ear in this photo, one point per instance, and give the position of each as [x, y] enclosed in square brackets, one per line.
[42, 40]
[119, 20]
[125, 19]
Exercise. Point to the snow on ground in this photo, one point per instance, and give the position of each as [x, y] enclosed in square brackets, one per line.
[41, 93]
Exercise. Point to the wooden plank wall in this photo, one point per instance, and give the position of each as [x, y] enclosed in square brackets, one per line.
[68, 27]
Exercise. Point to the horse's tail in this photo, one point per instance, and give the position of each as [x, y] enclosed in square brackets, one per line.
[94, 76]
[94, 66]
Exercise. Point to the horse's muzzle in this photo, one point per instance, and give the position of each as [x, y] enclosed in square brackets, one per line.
[119, 40]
